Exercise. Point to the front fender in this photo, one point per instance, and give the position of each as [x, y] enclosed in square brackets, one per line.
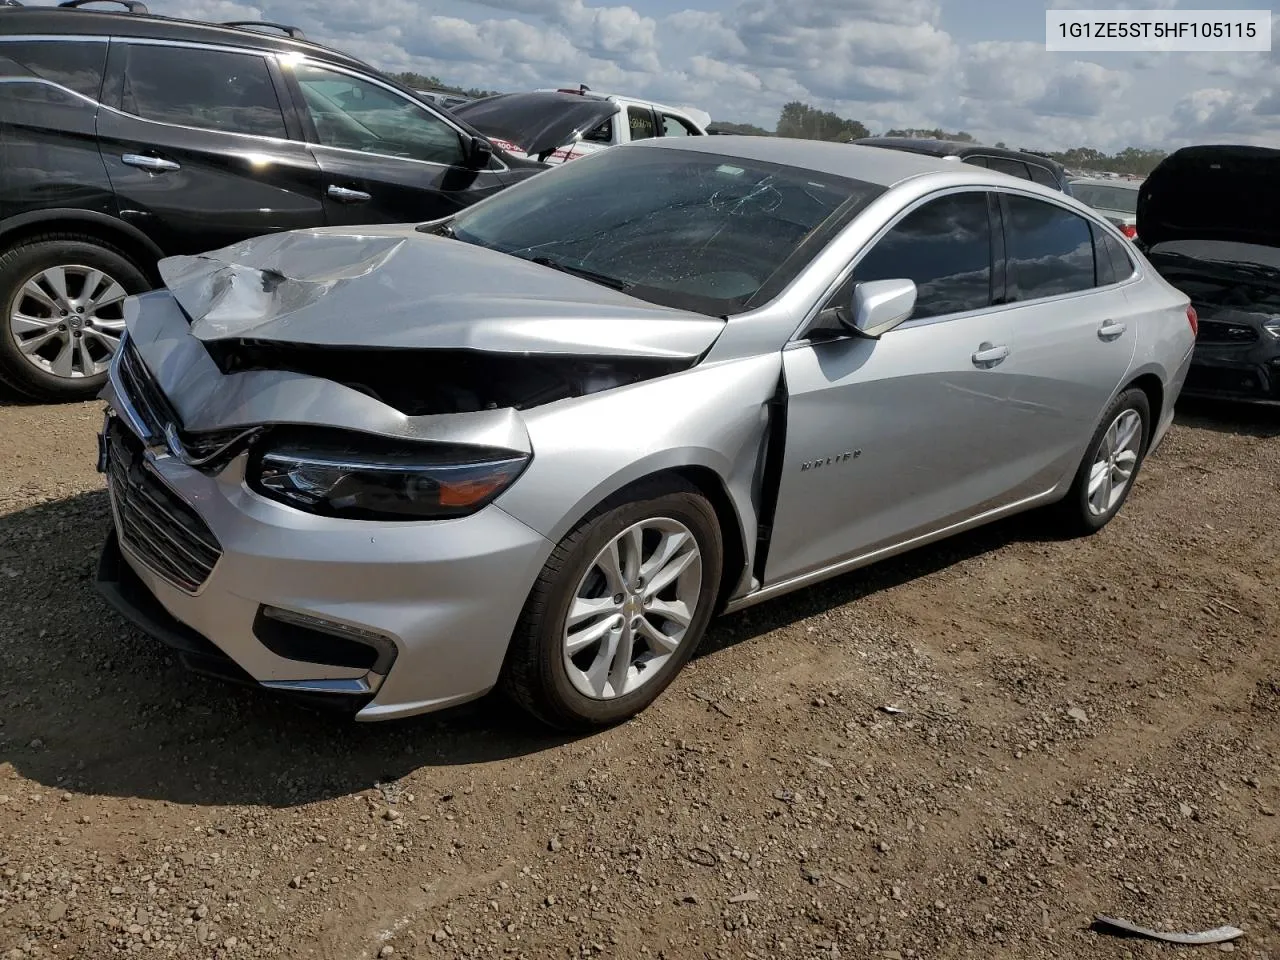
[714, 416]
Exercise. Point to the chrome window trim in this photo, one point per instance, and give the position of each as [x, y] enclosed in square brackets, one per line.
[288, 60]
[798, 335]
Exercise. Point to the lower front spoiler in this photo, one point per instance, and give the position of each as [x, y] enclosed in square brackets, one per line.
[125, 591]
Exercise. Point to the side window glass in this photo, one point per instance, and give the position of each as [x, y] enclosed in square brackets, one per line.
[1050, 250]
[1121, 262]
[353, 114]
[1104, 269]
[976, 161]
[945, 247]
[210, 89]
[601, 134]
[675, 127]
[77, 66]
[1043, 175]
[640, 120]
[1015, 168]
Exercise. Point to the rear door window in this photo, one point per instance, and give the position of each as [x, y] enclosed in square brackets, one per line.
[1015, 168]
[1118, 253]
[1049, 249]
[50, 64]
[673, 126]
[1043, 175]
[197, 87]
[640, 119]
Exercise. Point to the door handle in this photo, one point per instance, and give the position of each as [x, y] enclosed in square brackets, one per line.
[1110, 330]
[344, 195]
[988, 355]
[150, 164]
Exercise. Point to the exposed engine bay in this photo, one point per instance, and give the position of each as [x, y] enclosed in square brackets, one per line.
[427, 381]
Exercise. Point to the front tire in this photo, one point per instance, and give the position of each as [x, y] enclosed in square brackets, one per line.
[1110, 465]
[620, 606]
[62, 315]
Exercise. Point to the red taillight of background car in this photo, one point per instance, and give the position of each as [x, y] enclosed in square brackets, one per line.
[1193, 320]
[1129, 230]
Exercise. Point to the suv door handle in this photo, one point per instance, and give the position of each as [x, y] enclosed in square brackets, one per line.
[1110, 329]
[988, 355]
[150, 164]
[344, 195]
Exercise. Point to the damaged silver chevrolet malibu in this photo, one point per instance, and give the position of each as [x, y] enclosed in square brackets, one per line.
[538, 445]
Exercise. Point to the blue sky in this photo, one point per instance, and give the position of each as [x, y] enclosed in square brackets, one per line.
[977, 65]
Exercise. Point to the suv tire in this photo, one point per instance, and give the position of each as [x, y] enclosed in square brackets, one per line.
[44, 278]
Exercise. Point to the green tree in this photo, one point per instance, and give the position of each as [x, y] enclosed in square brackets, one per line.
[743, 129]
[935, 134]
[804, 122]
[419, 81]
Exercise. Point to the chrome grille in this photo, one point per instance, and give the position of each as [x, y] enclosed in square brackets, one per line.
[153, 523]
[144, 393]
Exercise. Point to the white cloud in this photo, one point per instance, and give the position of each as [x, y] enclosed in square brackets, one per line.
[889, 63]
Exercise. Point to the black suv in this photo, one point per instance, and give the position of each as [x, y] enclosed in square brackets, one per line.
[1016, 163]
[127, 137]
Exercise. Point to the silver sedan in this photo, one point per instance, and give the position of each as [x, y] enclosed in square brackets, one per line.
[539, 444]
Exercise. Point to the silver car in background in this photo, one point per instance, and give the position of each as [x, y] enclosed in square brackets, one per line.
[1117, 200]
[539, 444]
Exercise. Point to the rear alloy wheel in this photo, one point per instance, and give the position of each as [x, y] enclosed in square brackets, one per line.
[619, 608]
[1110, 465]
[63, 316]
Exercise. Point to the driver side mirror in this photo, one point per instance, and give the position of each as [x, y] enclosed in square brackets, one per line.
[479, 153]
[879, 306]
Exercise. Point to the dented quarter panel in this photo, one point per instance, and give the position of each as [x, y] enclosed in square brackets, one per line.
[419, 291]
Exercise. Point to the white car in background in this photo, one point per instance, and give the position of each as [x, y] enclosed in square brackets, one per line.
[558, 125]
[1113, 197]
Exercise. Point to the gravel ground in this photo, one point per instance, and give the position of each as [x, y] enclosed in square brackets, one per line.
[1089, 726]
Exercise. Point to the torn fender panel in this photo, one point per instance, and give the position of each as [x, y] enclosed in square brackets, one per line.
[393, 287]
[205, 399]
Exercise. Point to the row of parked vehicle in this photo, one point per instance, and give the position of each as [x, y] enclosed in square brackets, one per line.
[538, 439]
[128, 138]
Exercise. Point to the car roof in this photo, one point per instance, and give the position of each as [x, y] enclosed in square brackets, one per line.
[70, 21]
[883, 168]
[956, 148]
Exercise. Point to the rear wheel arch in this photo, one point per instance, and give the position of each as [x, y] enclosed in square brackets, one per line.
[95, 227]
[1153, 387]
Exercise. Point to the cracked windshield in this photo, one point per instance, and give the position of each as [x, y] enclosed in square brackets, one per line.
[708, 233]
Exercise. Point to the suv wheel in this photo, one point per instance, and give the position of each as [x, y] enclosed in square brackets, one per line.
[62, 302]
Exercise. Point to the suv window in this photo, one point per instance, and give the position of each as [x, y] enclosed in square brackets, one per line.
[354, 114]
[1015, 168]
[676, 127]
[640, 119]
[976, 161]
[1050, 250]
[210, 89]
[77, 66]
[1043, 176]
[945, 247]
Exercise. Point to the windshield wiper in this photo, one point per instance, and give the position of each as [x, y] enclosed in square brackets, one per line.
[603, 279]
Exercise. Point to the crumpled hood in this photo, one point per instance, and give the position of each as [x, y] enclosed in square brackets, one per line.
[394, 287]
[1220, 192]
[537, 122]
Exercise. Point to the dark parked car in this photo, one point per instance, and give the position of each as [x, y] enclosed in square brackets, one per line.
[1016, 163]
[126, 137]
[1208, 222]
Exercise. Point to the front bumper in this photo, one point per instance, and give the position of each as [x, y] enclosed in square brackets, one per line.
[432, 604]
[1247, 372]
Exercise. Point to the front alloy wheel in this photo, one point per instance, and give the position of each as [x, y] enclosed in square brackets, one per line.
[620, 606]
[632, 608]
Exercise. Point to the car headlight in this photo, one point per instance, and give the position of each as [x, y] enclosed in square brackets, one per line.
[1272, 327]
[366, 478]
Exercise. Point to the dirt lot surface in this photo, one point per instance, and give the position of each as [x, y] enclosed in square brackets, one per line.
[1088, 727]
